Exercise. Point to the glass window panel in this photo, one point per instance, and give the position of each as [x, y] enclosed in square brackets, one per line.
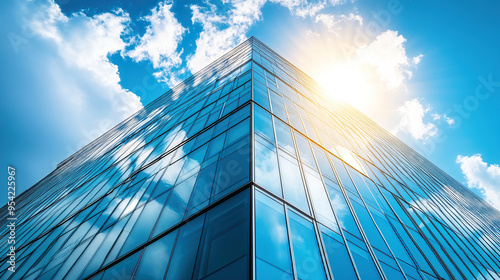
[175, 207]
[238, 131]
[49, 274]
[338, 257]
[167, 180]
[321, 204]
[149, 185]
[306, 252]
[154, 261]
[264, 124]
[411, 246]
[369, 227]
[78, 233]
[202, 190]
[169, 177]
[230, 106]
[284, 137]
[228, 86]
[272, 251]
[391, 237]
[130, 207]
[260, 96]
[382, 178]
[192, 162]
[391, 273]
[364, 263]
[242, 145]
[292, 183]
[341, 171]
[295, 118]
[309, 126]
[222, 125]
[278, 107]
[74, 254]
[199, 124]
[123, 269]
[246, 95]
[305, 152]
[86, 257]
[382, 203]
[239, 115]
[349, 184]
[363, 184]
[98, 276]
[324, 164]
[266, 168]
[184, 256]
[111, 236]
[232, 171]
[216, 145]
[53, 250]
[112, 255]
[142, 228]
[399, 211]
[431, 256]
[266, 271]
[203, 137]
[259, 81]
[410, 271]
[384, 258]
[244, 78]
[256, 67]
[341, 209]
[223, 253]
[271, 82]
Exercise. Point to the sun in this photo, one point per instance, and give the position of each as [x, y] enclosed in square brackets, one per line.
[348, 82]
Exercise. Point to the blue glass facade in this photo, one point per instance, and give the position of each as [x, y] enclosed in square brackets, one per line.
[246, 171]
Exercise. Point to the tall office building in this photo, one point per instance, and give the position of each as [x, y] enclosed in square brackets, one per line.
[246, 171]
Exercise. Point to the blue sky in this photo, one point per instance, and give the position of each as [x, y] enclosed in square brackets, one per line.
[426, 71]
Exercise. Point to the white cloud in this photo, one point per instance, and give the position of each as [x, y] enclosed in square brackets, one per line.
[336, 22]
[450, 121]
[303, 8]
[388, 55]
[412, 114]
[416, 60]
[84, 43]
[221, 32]
[482, 176]
[71, 53]
[160, 43]
[224, 28]
[61, 78]
[444, 117]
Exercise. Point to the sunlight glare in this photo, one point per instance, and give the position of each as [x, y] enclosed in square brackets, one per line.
[349, 157]
[347, 82]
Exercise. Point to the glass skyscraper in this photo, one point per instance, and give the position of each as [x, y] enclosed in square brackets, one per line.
[246, 171]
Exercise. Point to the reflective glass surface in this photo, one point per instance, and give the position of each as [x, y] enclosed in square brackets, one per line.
[247, 170]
